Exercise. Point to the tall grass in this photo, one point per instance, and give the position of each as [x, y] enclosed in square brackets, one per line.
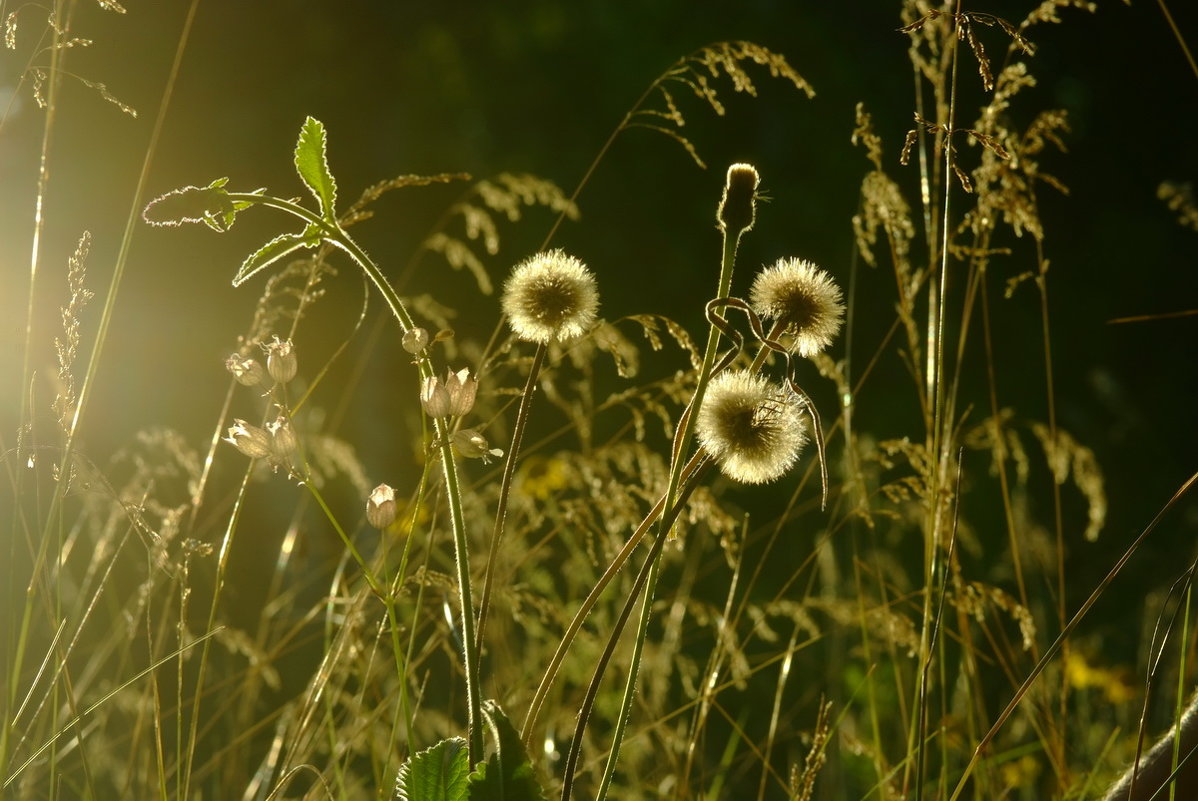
[433, 599]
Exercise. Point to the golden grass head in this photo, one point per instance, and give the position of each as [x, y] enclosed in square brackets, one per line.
[750, 426]
[738, 206]
[804, 298]
[550, 297]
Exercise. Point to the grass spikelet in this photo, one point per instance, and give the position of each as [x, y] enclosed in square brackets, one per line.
[1179, 198]
[67, 347]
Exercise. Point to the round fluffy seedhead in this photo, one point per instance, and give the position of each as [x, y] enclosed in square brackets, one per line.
[550, 297]
[802, 297]
[738, 205]
[752, 427]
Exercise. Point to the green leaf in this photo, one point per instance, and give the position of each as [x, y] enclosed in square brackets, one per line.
[277, 248]
[313, 166]
[435, 774]
[508, 775]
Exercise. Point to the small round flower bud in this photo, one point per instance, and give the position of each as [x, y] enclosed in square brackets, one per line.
[738, 205]
[247, 371]
[472, 445]
[452, 396]
[550, 297]
[380, 507]
[252, 441]
[802, 297]
[280, 360]
[415, 340]
[752, 427]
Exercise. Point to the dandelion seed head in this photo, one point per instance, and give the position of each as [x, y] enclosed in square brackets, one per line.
[550, 296]
[803, 297]
[750, 426]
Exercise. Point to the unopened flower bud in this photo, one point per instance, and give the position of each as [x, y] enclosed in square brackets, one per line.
[472, 445]
[738, 205]
[452, 396]
[252, 441]
[280, 360]
[380, 507]
[283, 444]
[247, 371]
[415, 340]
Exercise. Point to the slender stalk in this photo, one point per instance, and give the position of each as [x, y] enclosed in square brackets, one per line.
[681, 447]
[335, 235]
[505, 488]
[651, 565]
[617, 563]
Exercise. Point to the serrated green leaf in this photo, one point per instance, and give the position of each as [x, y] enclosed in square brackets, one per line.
[209, 204]
[508, 775]
[435, 774]
[277, 248]
[313, 166]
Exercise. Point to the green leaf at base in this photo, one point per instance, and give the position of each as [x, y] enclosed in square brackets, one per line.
[508, 774]
[313, 166]
[281, 246]
[435, 774]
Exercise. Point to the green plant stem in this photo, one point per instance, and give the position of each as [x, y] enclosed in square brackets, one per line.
[538, 699]
[335, 235]
[681, 446]
[505, 488]
[648, 571]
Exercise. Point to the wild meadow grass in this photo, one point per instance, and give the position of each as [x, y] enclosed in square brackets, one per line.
[570, 551]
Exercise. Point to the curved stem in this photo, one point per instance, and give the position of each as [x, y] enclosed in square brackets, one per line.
[335, 235]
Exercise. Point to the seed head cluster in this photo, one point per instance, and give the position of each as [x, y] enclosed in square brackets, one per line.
[751, 426]
[550, 297]
[802, 297]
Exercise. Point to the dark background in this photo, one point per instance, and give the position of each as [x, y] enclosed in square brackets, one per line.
[537, 87]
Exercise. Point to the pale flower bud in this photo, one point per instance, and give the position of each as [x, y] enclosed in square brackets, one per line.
[380, 507]
[283, 444]
[738, 204]
[280, 360]
[472, 445]
[452, 396]
[246, 371]
[252, 441]
[415, 340]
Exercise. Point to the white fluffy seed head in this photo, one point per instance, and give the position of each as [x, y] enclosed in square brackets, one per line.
[752, 427]
[804, 298]
[550, 297]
